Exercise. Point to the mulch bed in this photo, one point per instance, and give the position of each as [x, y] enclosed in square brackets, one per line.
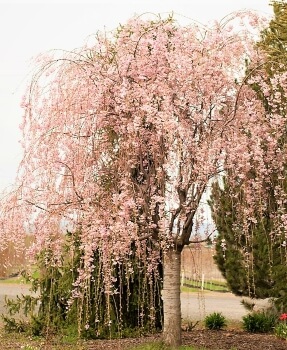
[233, 339]
[239, 340]
[211, 340]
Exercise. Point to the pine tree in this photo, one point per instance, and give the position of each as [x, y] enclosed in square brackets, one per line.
[247, 266]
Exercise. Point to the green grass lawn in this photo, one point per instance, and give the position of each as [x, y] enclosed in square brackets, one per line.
[19, 279]
[208, 285]
[216, 286]
[14, 280]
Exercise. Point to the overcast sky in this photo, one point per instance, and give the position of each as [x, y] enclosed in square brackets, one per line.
[29, 28]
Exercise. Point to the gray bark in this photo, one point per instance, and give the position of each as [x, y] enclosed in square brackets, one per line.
[171, 298]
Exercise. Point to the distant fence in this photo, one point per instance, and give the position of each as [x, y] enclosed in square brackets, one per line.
[201, 283]
[198, 269]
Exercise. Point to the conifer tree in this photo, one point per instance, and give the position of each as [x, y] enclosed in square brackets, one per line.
[245, 276]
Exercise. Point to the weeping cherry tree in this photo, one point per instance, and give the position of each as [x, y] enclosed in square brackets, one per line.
[124, 136]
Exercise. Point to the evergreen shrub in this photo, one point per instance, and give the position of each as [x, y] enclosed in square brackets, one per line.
[215, 321]
[259, 322]
[134, 310]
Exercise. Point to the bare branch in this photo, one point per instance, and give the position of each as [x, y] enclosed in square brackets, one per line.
[202, 240]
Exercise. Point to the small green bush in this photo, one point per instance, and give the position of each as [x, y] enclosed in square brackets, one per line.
[259, 322]
[215, 321]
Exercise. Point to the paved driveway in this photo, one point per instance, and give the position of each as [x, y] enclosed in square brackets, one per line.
[11, 290]
[194, 306]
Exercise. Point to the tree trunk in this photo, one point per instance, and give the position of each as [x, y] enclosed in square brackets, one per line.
[171, 298]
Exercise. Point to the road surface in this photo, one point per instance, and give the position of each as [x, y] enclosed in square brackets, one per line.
[195, 306]
[11, 290]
